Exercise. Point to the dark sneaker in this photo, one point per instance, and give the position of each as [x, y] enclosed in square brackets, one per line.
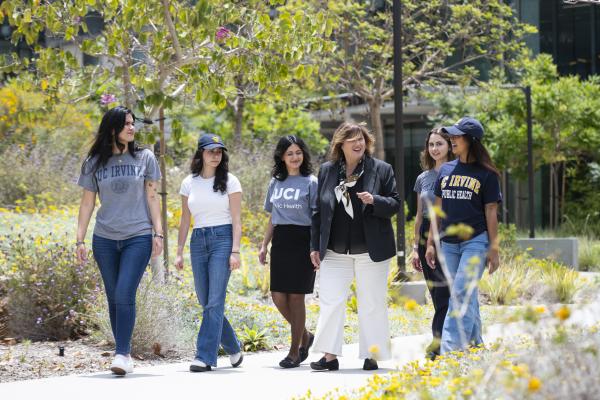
[370, 365]
[323, 365]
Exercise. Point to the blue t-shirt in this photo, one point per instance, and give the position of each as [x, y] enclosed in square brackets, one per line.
[465, 189]
[292, 201]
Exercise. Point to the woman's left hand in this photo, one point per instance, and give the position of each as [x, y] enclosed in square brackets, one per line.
[365, 197]
[157, 246]
[234, 261]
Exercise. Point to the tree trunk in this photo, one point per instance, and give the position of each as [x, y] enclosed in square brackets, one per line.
[563, 190]
[551, 197]
[377, 127]
[238, 110]
[556, 195]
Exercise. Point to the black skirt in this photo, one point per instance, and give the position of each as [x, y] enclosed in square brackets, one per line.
[291, 268]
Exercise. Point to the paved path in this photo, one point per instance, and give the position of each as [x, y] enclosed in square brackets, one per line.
[258, 378]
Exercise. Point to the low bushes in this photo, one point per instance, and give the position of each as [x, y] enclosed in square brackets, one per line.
[589, 254]
[522, 278]
[48, 293]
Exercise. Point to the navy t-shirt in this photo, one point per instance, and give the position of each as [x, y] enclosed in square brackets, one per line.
[465, 189]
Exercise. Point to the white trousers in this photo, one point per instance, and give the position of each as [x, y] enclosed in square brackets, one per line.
[335, 277]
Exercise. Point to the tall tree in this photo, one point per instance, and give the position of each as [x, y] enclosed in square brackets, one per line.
[444, 41]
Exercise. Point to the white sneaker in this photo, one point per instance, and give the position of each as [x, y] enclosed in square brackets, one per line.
[236, 359]
[199, 366]
[122, 365]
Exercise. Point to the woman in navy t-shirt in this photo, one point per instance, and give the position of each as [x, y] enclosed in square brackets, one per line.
[468, 192]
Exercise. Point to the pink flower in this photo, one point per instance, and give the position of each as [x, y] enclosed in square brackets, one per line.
[107, 98]
[222, 33]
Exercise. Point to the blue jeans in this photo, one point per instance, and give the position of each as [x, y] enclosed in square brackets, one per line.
[465, 262]
[210, 249]
[122, 264]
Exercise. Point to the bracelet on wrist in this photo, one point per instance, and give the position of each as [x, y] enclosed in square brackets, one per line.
[77, 244]
[158, 235]
[235, 252]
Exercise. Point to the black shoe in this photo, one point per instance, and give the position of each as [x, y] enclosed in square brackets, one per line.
[288, 362]
[370, 365]
[304, 351]
[323, 365]
[431, 355]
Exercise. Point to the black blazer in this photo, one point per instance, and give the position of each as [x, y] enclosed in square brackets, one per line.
[378, 179]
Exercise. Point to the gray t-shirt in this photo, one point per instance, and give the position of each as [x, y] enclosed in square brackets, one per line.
[292, 201]
[120, 185]
[424, 187]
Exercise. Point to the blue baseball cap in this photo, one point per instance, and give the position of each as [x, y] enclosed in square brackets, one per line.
[209, 141]
[465, 126]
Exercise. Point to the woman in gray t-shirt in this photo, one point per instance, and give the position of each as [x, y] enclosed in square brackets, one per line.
[291, 199]
[437, 151]
[128, 228]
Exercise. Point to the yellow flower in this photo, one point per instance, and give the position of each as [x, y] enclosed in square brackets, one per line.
[563, 313]
[463, 231]
[534, 384]
[540, 309]
[411, 305]
[374, 350]
[467, 392]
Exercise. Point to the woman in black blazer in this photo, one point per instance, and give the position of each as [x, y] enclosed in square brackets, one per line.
[352, 236]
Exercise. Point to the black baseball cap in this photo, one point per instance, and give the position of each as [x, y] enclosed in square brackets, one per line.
[465, 126]
[209, 141]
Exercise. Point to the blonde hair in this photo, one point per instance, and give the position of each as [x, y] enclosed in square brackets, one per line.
[348, 130]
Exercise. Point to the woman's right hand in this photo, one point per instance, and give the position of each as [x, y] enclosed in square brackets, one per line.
[315, 257]
[262, 255]
[81, 253]
[430, 256]
[416, 263]
[179, 262]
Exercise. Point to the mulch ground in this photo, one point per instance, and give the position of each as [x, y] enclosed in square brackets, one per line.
[34, 360]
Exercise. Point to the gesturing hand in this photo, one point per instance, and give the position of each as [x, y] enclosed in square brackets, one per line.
[365, 197]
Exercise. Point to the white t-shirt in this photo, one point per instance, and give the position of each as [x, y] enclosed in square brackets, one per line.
[209, 208]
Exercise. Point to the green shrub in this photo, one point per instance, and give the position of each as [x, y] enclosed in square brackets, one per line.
[48, 292]
[36, 178]
[589, 254]
[562, 282]
[253, 339]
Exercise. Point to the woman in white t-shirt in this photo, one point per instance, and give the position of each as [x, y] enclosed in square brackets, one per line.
[213, 197]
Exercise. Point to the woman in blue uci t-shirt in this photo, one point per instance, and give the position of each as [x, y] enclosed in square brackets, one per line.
[468, 191]
[291, 199]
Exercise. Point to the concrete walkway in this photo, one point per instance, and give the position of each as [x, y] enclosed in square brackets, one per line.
[259, 377]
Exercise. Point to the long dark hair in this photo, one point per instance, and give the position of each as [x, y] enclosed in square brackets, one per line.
[427, 162]
[279, 170]
[479, 155]
[111, 125]
[220, 184]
